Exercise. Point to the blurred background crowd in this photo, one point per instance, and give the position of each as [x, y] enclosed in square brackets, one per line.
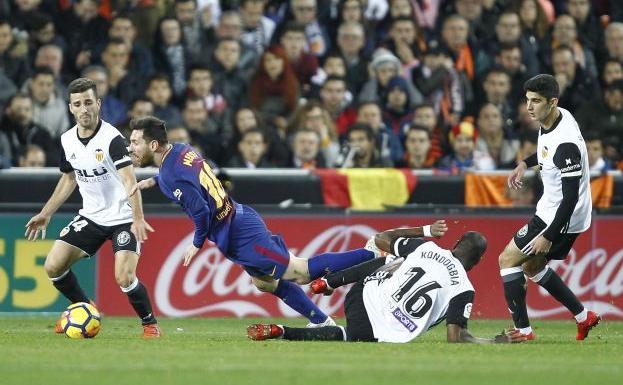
[419, 84]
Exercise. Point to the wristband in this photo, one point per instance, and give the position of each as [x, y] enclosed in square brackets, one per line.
[426, 231]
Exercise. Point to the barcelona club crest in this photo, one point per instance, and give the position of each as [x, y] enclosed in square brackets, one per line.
[99, 155]
[544, 152]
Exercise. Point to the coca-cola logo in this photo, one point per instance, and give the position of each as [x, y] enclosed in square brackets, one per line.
[592, 278]
[213, 284]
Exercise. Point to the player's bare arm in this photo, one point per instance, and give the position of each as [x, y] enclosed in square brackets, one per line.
[65, 186]
[385, 239]
[457, 334]
[515, 178]
[143, 185]
[139, 226]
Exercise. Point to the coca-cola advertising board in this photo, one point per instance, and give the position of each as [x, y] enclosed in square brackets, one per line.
[212, 286]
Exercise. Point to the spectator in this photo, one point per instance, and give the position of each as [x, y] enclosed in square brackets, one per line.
[361, 149]
[5, 151]
[614, 42]
[576, 86]
[388, 145]
[495, 139]
[406, 41]
[200, 83]
[170, 54]
[306, 152]
[441, 84]
[41, 32]
[13, 63]
[178, 134]
[595, 153]
[509, 59]
[565, 33]
[160, 94]
[112, 110]
[251, 151]
[258, 29]
[350, 44]
[524, 122]
[305, 12]
[21, 131]
[418, 149]
[464, 158]
[49, 108]
[247, 118]
[497, 90]
[141, 59]
[613, 70]
[588, 25]
[186, 14]
[230, 80]
[51, 56]
[124, 84]
[396, 104]
[311, 116]
[274, 90]
[304, 64]
[204, 131]
[33, 156]
[424, 116]
[139, 108]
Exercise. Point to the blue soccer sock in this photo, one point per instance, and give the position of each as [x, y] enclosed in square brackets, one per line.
[332, 262]
[295, 297]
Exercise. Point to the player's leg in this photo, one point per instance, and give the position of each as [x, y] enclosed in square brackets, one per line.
[127, 255]
[260, 332]
[79, 238]
[290, 293]
[510, 260]
[539, 272]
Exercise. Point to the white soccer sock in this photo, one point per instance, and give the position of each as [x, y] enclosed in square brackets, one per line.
[581, 316]
[526, 331]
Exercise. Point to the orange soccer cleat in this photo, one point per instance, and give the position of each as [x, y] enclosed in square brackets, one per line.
[320, 286]
[592, 320]
[261, 332]
[151, 331]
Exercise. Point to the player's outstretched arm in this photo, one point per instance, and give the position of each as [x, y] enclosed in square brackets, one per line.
[455, 334]
[142, 185]
[139, 226]
[385, 239]
[65, 186]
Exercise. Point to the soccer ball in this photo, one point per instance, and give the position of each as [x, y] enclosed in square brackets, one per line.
[81, 320]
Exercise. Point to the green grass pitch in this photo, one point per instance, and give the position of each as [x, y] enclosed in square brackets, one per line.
[216, 351]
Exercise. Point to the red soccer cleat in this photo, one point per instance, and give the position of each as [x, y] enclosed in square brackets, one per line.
[320, 286]
[592, 320]
[261, 332]
[517, 336]
[151, 331]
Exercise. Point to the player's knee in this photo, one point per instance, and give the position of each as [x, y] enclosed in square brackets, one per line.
[124, 279]
[507, 258]
[52, 269]
[265, 286]
[532, 267]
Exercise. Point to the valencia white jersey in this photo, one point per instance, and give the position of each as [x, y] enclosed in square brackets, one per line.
[430, 285]
[95, 161]
[561, 153]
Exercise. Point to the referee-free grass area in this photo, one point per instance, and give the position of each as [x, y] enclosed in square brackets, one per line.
[217, 351]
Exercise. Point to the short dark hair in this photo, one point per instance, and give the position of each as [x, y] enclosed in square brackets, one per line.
[508, 47]
[471, 247]
[152, 127]
[591, 136]
[423, 105]
[43, 70]
[333, 78]
[417, 127]
[293, 26]
[254, 130]
[365, 128]
[544, 85]
[81, 85]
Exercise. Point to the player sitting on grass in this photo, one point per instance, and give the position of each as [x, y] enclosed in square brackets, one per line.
[397, 299]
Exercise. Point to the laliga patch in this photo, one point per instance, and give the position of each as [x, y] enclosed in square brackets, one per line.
[123, 238]
[404, 319]
[467, 311]
[99, 155]
[544, 152]
[522, 232]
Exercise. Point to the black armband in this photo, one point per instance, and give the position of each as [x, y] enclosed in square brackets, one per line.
[532, 160]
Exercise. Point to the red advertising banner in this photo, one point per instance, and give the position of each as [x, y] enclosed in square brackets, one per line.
[213, 286]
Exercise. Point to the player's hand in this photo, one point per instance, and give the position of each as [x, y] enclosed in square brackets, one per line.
[439, 228]
[514, 179]
[140, 228]
[37, 223]
[142, 185]
[541, 245]
[510, 336]
[189, 254]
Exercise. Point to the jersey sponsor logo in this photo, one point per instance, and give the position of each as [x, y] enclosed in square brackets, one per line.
[467, 311]
[568, 161]
[522, 232]
[99, 155]
[404, 320]
[544, 152]
[72, 157]
[123, 238]
[570, 168]
[177, 194]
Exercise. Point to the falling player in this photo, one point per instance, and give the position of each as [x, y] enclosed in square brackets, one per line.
[562, 213]
[400, 300]
[237, 230]
[95, 157]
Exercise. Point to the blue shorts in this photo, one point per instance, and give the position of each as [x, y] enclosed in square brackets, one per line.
[253, 247]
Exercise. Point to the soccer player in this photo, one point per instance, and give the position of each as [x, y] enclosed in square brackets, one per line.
[400, 297]
[562, 213]
[95, 157]
[237, 230]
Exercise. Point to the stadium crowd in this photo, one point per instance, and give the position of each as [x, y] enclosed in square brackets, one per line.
[414, 84]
